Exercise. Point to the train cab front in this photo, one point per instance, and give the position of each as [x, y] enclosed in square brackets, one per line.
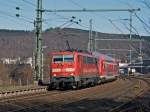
[62, 70]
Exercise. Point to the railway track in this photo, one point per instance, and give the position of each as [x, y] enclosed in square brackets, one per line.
[93, 99]
[23, 106]
[19, 92]
[136, 104]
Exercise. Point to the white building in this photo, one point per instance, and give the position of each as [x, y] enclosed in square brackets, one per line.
[17, 60]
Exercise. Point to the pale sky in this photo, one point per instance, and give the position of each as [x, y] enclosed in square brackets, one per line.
[102, 21]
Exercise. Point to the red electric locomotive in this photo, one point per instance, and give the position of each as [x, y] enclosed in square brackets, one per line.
[77, 68]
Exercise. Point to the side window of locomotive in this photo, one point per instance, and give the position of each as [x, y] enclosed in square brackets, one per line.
[89, 60]
[84, 60]
[68, 58]
[57, 59]
[95, 61]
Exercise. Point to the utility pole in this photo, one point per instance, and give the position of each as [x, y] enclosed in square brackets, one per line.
[96, 36]
[42, 63]
[130, 36]
[141, 55]
[38, 48]
[90, 43]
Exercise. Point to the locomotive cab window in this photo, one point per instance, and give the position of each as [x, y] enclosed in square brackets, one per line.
[58, 59]
[68, 58]
[63, 58]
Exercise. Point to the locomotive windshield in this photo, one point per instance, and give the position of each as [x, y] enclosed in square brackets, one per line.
[68, 58]
[63, 58]
[58, 59]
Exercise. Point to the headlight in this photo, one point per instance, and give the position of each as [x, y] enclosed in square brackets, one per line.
[72, 74]
[70, 69]
[56, 70]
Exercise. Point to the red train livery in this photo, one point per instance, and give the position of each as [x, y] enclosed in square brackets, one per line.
[75, 69]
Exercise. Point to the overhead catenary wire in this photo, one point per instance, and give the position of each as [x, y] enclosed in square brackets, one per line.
[61, 16]
[55, 19]
[78, 5]
[15, 3]
[12, 20]
[8, 4]
[67, 25]
[136, 32]
[63, 24]
[18, 17]
[75, 3]
[22, 18]
[126, 27]
[121, 21]
[14, 17]
[66, 22]
[115, 26]
[146, 29]
[126, 3]
[89, 10]
[11, 3]
[108, 19]
[45, 21]
[147, 4]
[145, 25]
[84, 26]
[29, 2]
[70, 21]
[142, 21]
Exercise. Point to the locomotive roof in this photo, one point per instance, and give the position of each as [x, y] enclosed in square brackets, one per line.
[85, 53]
[71, 52]
[97, 54]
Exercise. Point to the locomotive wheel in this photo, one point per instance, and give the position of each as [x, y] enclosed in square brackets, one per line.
[77, 85]
[51, 87]
[99, 82]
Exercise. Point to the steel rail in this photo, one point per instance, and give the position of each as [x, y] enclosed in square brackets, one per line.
[132, 99]
[54, 93]
[14, 93]
[81, 98]
[32, 107]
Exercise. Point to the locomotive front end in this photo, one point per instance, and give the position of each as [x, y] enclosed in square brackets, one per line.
[63, 70]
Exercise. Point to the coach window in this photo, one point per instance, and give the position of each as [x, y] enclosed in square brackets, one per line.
[68, 58]
[58, 59]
